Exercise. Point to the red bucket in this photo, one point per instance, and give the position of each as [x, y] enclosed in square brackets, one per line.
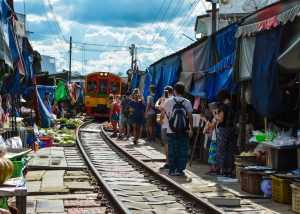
[48, 141]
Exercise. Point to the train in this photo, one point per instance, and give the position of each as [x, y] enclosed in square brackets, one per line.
[98, 87]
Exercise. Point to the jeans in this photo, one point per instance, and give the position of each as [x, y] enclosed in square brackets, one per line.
[177, 152]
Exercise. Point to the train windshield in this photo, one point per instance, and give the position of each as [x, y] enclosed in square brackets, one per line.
[102, 87]
[92, 86]
[114, 87]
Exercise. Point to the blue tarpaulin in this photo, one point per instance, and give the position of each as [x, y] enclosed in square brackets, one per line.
[147, 84]
[266, 94]
[135, 81]
[50, 90]
[219, 77]
[164, 73]
[226, 41]
[45, 116]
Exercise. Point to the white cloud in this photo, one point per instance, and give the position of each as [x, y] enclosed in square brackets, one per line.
[168, 37]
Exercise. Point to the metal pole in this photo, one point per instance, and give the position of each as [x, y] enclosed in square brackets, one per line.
[298, 103]
[70, 60]
[214, 17]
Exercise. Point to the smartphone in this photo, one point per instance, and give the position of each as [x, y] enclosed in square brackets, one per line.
[166, 94]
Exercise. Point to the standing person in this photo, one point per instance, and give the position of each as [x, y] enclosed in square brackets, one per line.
[178, 110]
[168, 93]
[210, 130]
[226, 140]
[136, 115]
[150, 115]
[115, 114]
[124, 117]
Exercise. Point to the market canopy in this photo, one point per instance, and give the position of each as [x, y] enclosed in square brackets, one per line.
[269, 17]
[290, 59]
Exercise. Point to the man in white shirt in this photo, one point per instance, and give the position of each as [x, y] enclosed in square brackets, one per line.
[178, 140]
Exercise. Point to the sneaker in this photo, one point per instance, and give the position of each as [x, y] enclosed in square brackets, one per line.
[114, 135]
[180, 174]
[166, 166]
[172, 173]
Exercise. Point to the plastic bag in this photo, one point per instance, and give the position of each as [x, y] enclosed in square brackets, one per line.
[3, 147]
[14, 143]
[61, 92]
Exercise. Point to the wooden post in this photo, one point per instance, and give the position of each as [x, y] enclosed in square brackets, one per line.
[298, 101]
[242, 130]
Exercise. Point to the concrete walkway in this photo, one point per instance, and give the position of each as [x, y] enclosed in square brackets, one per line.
[203, 185]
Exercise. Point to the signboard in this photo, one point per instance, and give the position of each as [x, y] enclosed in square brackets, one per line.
[228, 7]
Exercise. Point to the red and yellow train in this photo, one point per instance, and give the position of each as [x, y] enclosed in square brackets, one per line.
[98, 87]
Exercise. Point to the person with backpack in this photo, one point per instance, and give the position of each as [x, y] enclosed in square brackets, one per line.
[178, 111]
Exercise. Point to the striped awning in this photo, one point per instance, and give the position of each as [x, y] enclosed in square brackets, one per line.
[270, 17]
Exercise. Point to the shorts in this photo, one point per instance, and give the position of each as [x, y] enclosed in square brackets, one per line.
[123, 121]
[164, 137]
[151, 120]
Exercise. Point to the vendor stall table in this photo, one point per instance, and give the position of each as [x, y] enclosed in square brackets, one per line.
[282, 158]
[13, 154]
[19, 192]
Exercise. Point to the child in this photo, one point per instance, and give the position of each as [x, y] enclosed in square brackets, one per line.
[210, 130]
[115, 113]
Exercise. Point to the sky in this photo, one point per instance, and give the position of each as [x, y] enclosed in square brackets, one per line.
[156, 27]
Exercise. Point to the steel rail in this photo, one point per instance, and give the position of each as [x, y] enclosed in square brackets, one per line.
[118, 205]
[207, 205]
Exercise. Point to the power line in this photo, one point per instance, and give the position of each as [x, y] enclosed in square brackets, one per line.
[171, 37]
[162, 19]
[56, 21]
[157, 16]
[100, 45]
[177, 10]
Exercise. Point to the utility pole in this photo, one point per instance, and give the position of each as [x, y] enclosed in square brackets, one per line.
[214, 29]
[70, 60]
[132, 50]
[214, 16]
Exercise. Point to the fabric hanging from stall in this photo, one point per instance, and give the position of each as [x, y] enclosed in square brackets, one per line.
[219, 77]
[46, 92]
[45, 116]
[147, 83]
[61, 92]
[28, 62]
[245, 55]
[169, 75]
[266, 94]
[226, 41]
[195, 60]
[135, 81]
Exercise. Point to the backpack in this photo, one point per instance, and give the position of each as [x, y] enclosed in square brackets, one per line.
[178, 120]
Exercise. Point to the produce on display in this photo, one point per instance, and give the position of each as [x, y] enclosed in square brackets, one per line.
[69, 123]
[60, 136]
[6, 169]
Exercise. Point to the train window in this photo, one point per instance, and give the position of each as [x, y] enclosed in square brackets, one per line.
[102, 86]
[115, 87]
[91, 86]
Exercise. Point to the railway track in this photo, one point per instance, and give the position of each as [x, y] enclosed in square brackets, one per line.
[133, 187]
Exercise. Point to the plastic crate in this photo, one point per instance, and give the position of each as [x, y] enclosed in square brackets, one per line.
[295, 198]
[18, 168]
[281, 190]
[250, 182]
[238, 169]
